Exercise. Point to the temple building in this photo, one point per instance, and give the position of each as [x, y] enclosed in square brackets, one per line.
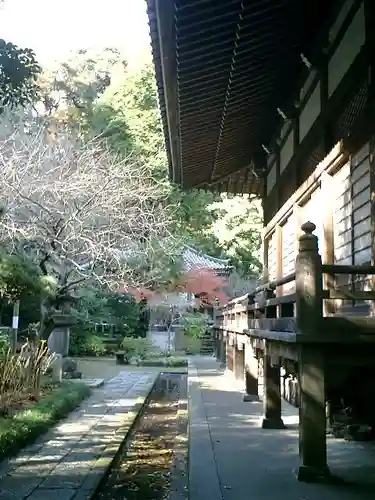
[276, 99]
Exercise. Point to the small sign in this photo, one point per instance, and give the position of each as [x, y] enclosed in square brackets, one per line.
[15, 322]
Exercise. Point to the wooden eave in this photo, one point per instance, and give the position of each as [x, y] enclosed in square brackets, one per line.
[223, 67]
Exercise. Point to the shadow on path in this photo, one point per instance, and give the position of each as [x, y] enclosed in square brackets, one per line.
[254, 463]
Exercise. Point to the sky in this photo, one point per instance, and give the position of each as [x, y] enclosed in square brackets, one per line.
[53, 29]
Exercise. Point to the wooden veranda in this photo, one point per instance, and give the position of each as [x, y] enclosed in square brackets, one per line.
[276, 99]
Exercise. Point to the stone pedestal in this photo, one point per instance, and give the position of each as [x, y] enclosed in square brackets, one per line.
[312, 415]
[58, 340]
[272, 393]
[179, 342]
[251, 375]
[57, 369]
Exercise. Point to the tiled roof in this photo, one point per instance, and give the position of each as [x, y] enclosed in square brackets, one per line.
[194, 258]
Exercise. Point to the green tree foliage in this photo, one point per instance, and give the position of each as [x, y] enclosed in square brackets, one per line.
[127, 116]
[70, 89]
[240, 228]
[94, 91]
[18, 75]
[123, 311]
[20, 277]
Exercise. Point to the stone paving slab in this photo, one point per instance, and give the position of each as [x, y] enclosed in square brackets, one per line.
[70, 460]
[233, 458]
[94, 383]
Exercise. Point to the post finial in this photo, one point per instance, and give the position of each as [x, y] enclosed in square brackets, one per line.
[308, 227]
[308, 241]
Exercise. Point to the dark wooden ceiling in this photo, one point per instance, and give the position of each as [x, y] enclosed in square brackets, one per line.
[223, 68]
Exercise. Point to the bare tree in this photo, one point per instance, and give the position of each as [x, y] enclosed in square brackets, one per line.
[82, 214]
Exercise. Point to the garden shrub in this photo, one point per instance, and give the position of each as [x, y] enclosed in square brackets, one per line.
[171, 361]
[25, 426]
[175, 362]
[135, 347]
[195, 324]
[4, 339]
[192, 345]
[83, 342]
[20, 375]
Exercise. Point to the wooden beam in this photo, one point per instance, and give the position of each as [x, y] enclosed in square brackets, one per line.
[350, 326]
[328, 257]
[372, 194]
[277, 182]
[296, 142]
[167, 36]
[279, 257]
[348, 295]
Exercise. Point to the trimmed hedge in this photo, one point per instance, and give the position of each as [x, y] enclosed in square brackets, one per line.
[170, 362]
[26, 426]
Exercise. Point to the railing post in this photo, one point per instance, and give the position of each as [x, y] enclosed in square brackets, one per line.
[311, 361]
[309, 288]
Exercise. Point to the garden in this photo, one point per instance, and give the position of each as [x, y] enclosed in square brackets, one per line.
[91, 231]
[31, 400]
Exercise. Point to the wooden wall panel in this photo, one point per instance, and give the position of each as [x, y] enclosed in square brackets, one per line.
[272, 257]
[352, 223]
[313, 211]
[342, 216]
[288, 251]
[360, 176]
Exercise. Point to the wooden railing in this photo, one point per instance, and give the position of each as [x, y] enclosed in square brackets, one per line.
[268, 314]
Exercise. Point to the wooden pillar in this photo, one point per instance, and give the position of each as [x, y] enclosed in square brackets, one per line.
[272, 391]
[251, 374]
[370, 43]
[279, 264]
[372, 191]
[229, 363]
[217, 334]
[312, 415]
[223, 350]
[328, 257]
[265, 244]
[277, 181]
[311, 373]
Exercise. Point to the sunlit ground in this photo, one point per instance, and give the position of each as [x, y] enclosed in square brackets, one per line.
[93, 368]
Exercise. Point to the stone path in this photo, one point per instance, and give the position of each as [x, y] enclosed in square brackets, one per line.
[232, 458]
[70, 460]
[93, 383]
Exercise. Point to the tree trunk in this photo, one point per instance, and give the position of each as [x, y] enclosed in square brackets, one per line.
[46, 324]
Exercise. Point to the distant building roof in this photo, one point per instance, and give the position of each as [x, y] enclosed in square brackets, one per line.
[193, 258]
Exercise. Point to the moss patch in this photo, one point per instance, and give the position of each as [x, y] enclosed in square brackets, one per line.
[26, 426]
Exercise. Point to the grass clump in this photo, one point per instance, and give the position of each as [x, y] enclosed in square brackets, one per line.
[25, 426]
